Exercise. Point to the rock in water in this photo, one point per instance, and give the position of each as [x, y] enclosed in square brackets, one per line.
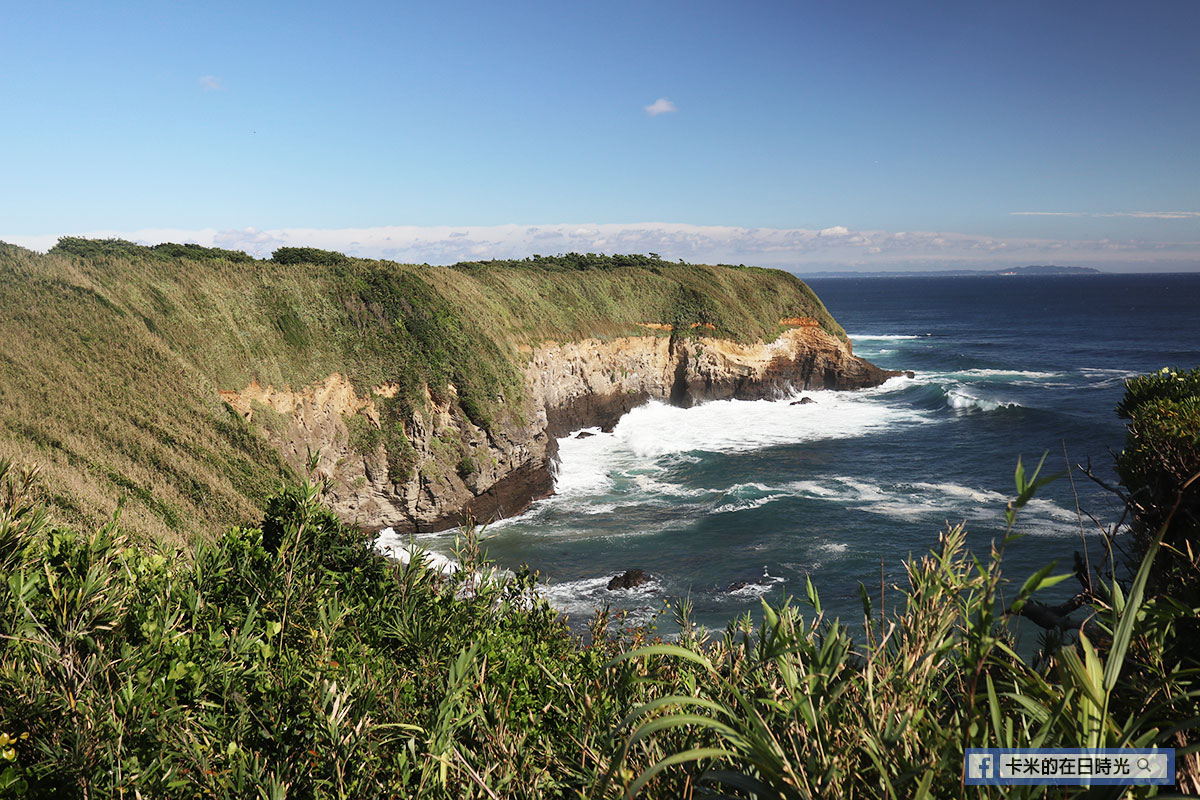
[631, 578]
[803, 401]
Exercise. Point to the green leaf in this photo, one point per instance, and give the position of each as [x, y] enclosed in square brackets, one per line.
[1124, 631]
[695, 754]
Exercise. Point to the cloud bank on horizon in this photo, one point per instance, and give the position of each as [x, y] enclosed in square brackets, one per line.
[799, 249]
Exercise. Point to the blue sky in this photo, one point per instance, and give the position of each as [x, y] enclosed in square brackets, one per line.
[874, 135]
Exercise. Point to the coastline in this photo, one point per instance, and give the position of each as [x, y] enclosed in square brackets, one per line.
[569, 386]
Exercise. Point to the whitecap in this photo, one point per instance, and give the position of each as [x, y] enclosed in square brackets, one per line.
[745, 505]
[404, 550]
[968, 402]
[1007, 373]
[580, 598]
[758, 588]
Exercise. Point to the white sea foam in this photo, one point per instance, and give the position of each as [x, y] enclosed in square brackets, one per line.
[391, 544]
[1107, 377]
[656, 429]
[746, 505]
[891, 337]
[953, 490]
[1104, 372]
[758, 588]
[965, 401]
[580, 598]
[1006, 373]
[649, 438]
[659, 488]
[937, 502]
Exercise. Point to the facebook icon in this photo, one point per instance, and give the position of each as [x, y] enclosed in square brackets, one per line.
[981, 765]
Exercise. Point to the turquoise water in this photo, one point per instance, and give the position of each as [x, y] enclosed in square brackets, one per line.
[732, 501]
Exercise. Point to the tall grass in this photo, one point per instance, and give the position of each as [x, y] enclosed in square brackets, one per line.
[803, 711]
[287, 659]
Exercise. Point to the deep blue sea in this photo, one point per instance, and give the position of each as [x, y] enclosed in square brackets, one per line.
[729, 502]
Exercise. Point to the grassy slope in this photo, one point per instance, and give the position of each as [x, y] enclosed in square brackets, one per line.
[113, 354]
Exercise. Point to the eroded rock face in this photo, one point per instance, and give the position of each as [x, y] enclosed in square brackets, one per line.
[569, 386]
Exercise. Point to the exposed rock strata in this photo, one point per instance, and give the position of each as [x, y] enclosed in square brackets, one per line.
[569, 386]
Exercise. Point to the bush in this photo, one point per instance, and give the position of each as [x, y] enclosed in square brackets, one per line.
[286, 658]
[289, 659]
[92, 248]
[1161, 455]
[309, 255]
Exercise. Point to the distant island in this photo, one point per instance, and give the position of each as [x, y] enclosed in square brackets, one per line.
[1047, 269]
[1037, 269]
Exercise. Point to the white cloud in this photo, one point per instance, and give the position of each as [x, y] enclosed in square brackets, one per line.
[836, 247]
[210, 83]
[1109, 214]
[660, 106]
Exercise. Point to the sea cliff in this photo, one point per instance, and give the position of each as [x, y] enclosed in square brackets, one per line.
[569, 386]
[185, 384]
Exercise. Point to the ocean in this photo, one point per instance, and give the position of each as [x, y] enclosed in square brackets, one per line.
[729, 502]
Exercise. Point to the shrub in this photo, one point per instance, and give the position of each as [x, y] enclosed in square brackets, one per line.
[309, 255]
[1161, 456]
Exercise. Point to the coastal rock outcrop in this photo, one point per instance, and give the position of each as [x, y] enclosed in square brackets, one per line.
[630, 579]
[463, 471]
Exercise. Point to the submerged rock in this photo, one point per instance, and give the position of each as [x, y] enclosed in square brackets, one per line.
[803, 401]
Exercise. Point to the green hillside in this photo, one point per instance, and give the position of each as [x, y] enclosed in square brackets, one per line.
[114, 354]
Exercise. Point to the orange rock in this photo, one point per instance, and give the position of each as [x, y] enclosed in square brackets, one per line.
[803, 322]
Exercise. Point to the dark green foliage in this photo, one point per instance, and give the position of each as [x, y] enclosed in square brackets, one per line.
[403, 321]
[289, 659]
[198, 252]
[364, 435]
[93, 248]
[291, 328]
[467, 466]
[287, 655]
[1166, 384]
[1161, 455]
[691, 307]
[309, 255]
[401, 457]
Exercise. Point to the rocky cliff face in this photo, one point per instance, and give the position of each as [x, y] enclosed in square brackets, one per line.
[464, 470]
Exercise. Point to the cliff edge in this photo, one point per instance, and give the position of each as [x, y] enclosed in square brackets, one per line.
[569, 386]
[183, 384]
